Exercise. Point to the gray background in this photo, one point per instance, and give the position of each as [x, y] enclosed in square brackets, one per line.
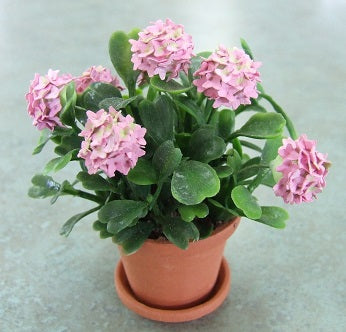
[290, 280]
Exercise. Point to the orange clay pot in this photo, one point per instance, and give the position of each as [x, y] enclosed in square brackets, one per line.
[163, 282]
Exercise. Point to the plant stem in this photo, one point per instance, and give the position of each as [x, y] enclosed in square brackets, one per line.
[279, 110]
[84, 194]
[156, 195]
[237, 146]
[250, 145]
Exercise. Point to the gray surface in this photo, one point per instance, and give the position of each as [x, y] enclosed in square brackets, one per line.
[291, 280]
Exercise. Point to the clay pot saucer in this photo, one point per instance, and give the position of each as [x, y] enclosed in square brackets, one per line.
[215, 299]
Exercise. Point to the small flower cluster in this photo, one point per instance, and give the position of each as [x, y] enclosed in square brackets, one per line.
[229, 77]
[43, 99]
[303, 170]
[96, 74]
[162, 48]
[111, 143]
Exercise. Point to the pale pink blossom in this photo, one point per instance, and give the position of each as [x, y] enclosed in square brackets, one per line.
[43, 98]
[229, 77]
[162, 48]
[111, 143]
[303, 170]
[96, 74]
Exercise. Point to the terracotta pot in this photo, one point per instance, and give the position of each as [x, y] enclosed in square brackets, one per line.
[168, 280]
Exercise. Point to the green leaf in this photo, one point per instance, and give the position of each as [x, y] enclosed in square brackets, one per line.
[120, 214]
[132, 238]
[171, 86]
[179, 232]
[189, 106]
[166, 159]
[69, 224]
[43, 186]
[268, 180]
[262, 125]
[96, 93]
[143, 173]
[68, 98]
[94, 182]
[45, 136]
[193, 181]
[234, 160]
[190, 212]
[243, 200]
[205, 146]
[116, 102]
[246, 47]
[225, 124]
[57, 164]
[120, 54]
[273, 216]
[270, 150]
[158, 119]
[223, 171]
[67, 144]
[249, 168]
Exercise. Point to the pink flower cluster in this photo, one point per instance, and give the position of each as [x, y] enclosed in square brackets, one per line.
[96, 74]
[111, 143]
[303, 171]
[162, 48]
[229, 77]
[43, 98]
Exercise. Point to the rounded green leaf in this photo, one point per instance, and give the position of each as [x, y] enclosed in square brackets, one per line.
[193, 181]
[166, 159]
[243, 200]
[262, 125]
[143, 173]
[273, 216]
[190, 212]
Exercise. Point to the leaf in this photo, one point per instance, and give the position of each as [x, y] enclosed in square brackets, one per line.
[234, 160]
[68, 98]
[69, 224]
[225, 124]
[67, 144]
[246, 48]
[166, 159]
[116, 102]
[43, 186]
[158, 119]
[94, 182]
[197, 60]
[171, 86]
[119, 214]
[65, 188]
[120, 54]
[262, 125]
[143, 173]
[273, 216]
[132, 238]
[189, 106]
[97, 92]
[223, 171]
[193, 181]
[57, 164]
[179, 232]
[205, 146]
[243, 200]
[45, 136]
[249, 168]
[190, 212]
[270, 149]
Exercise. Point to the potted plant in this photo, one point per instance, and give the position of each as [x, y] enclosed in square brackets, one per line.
[168, 169]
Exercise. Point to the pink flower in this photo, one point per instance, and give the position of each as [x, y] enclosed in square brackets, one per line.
[96, 74]
[111, 143]
[43, 99]
[229, 77]
[162, 48]
[303, 170]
